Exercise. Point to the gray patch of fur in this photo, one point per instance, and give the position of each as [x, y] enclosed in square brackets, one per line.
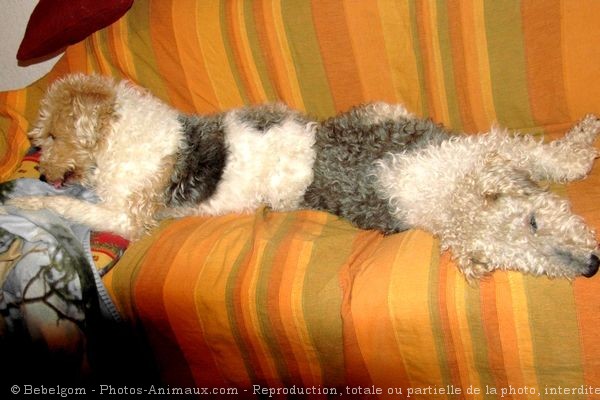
[264, 117]
[347, 146]
[200, 162]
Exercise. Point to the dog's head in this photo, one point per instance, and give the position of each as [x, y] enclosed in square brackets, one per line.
[512, 222]
[75, 115]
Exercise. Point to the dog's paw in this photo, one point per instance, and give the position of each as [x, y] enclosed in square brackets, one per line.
[585, 131]
[30, 203]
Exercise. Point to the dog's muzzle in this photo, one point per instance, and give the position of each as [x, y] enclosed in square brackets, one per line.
[592, 266]
[58, 183]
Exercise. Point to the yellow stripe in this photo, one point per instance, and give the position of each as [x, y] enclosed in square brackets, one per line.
[459, 326]
[16, 143]
[463, 333]
[104, 65]
[211, 284]
[250, 313]
[522, 329]
[210, 36]
[485, 79]
[395, 21]
[120, 33]
[284, 64]
[437, 92]
[242, 44]
[411, 275]
[304, 352]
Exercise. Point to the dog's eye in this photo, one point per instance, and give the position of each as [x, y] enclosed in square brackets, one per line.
[533, 223]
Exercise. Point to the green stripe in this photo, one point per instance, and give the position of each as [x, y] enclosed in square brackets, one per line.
[435, 316]
[231, 289]
[322, 296]
[239, 83]
[263, 297]
[257, 54]
[418, 57]
[507, 63]
[447, 62]
[479, 343]
[306, 54]
[554, 333]
[106, 53]
[139, 42]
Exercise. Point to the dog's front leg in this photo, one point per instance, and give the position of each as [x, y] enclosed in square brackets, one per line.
[563, 160]
[98, 217]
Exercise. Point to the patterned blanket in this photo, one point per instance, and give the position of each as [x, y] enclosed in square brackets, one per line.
[48, 286]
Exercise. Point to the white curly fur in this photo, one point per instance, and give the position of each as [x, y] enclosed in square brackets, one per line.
[129, 160]
[477, 193]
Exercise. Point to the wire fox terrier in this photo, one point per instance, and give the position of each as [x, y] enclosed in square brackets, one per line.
[376, 165]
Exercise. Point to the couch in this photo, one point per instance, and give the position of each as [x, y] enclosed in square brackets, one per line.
[292, 301]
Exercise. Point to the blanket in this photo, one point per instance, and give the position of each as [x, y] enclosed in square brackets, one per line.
[49, 286]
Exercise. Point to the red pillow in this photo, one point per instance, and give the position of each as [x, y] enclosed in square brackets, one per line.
[55, 24]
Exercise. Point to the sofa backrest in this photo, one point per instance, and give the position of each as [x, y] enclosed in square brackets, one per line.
[526, 65]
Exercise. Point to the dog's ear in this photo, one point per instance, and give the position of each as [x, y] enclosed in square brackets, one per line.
[498, 177]
[93, 110]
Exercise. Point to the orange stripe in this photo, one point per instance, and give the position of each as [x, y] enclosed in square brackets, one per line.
[214, 248]
[167, 55]
[356, 363]
[119, 45]
[448, 316]
[521, 325]
[542, 34]
[246, 306]
[587, 291]
[195, 75]
[15, 143]
[396, 27]
[581, 35]
[273, 38]
[369, 50]
[287, 285]
[370, 338]
[434, 75]
[468, 95]
[479, 86]
[161, 319]
[103, 64]
[210, 38]
[243, 53]
[501, 342]
[338, 60]
[461, 331]
[410, 315]
[76, 60]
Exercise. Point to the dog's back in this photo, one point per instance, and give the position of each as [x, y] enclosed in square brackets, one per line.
[348, 145]
[243, 158]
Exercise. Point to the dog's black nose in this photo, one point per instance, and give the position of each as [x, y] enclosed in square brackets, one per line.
[43, 178]
[592, 266]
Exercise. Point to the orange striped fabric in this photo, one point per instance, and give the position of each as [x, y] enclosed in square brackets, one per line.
[283, 299]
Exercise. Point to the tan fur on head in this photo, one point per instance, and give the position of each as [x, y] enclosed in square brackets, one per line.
[124, 144]
[92, 131]
[75, 116]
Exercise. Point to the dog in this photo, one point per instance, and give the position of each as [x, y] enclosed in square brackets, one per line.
[382, 168]
[376, 165]
[146, 161]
